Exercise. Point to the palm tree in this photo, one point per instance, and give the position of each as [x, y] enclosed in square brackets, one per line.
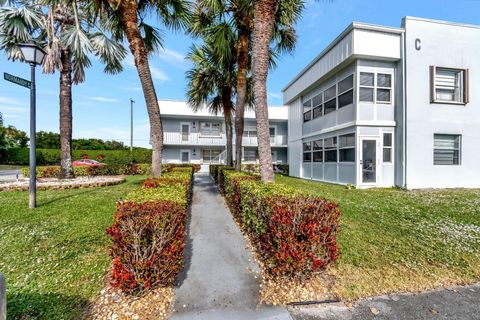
[211, 84]
[266, 13]
[69, 34]
[126, 20]
[239, 15]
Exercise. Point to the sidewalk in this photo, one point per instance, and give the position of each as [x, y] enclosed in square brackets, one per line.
[220, 279]
[462, 303]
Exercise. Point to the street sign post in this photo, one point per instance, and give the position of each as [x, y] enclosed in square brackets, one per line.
[17, 80]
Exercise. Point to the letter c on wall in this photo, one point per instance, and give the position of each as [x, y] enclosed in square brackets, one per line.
[418, 44]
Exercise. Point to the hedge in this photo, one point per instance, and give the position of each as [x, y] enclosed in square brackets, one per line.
[255, 168]
[293, 232]
[20, 156]
[149, 234]
[107, 170]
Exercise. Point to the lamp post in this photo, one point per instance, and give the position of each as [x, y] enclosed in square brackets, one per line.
[32, 55]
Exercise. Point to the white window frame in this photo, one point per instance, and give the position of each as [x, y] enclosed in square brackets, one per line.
[189, 155]
[459, 150]
[181, 131]
[388, 147]
[247, 151]
[375, 87]
[464, 85]
[273, 139]
[308, 151]
[210, 135]
[354, 147]
[346, 91]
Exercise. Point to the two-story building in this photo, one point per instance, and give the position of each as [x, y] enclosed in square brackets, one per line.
[199, 137]
[384, 106]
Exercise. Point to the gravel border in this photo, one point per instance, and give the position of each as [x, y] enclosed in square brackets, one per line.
[59, 184]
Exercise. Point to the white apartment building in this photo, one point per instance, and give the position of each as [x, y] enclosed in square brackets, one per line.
[199, 137]
[384, 106]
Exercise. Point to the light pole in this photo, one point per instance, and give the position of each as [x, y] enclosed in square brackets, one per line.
[32, 55]
[131, 127]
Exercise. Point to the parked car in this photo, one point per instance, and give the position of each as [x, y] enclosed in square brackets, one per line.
[87, 163]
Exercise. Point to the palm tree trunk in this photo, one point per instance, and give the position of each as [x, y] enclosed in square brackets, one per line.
[262, 34]
[66, 169]
[139, 52]
[227, 113]
[242, 67]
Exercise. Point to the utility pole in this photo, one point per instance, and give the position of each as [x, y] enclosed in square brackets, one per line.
[131, 126]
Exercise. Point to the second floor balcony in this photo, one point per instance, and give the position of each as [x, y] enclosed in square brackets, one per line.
[195, 138]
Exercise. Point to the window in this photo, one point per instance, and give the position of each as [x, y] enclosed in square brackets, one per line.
[367, 86]
[318, 151]
[307, 152]
[330, 96]
[384, 88]
[387, 147]
[347, 147]
[446, 149]
[379, 91]
[449, 85]
[250, 132]
[330, 148]
[210, 129]
[209, 155]
[250, 155]
[345, 91]
[307, 110]
[317, 106]
[272, 132]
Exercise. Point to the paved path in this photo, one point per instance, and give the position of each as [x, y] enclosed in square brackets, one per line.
[218, 282]
[462, 303]
[10, 175]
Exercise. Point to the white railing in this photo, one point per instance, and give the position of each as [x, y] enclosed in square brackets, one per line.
[195, 138]
[221, 158]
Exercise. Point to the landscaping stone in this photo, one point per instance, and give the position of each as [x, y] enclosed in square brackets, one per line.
[3, 298]
[220, 278]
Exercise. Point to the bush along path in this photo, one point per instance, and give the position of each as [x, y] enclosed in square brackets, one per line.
[149, 234]
[220, 279]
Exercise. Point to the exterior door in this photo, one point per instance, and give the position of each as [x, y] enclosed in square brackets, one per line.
[369, 161]
[185, 131]
[184, 156]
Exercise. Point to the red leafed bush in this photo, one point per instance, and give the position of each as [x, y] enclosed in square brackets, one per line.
[148, 244]
[295, 234]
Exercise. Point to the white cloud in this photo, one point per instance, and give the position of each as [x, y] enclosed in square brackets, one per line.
[103, 99]
[12, 101]
[9, 109]
[132, 88]
[275, 95]
[158, 74]
[171, 55]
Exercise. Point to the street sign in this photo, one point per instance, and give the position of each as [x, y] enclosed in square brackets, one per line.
[17, 80]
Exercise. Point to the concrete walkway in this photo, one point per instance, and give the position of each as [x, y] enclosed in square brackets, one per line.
[462, 303]
[220, 279]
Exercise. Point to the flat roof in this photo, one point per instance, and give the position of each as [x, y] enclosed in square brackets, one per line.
[352, 26]
[450, 23]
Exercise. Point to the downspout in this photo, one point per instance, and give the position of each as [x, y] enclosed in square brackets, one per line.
[404, 106]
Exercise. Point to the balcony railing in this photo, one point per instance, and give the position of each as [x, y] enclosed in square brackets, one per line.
[195, 138]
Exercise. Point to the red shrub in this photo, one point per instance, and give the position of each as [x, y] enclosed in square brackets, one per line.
[148, 244]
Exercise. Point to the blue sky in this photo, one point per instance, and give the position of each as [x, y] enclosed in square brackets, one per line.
[101, 104]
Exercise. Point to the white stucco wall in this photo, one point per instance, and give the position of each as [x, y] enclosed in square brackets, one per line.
[442, 45]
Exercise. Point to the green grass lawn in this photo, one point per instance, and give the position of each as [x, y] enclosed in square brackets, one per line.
[10, 167]
[397, 240]
[55, 257]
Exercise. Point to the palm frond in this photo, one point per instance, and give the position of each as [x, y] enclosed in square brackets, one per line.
[110, 52]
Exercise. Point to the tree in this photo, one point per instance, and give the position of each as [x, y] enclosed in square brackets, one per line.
[126, 19]
[266, 13]
[47, 140]
[210, 84]
[11, 137]
[238, 14]
[69, 32]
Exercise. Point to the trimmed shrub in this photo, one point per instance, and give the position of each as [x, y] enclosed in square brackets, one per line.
[149, 232]
[294, 233]
[20, 156]
[255, 168]
[106, 170]
[148, 244]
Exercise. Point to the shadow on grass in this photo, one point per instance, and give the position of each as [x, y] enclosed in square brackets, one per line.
[28, 305]
[64, 197]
